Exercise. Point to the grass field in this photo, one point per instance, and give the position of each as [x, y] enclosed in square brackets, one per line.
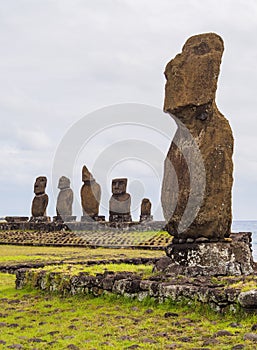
[30, 319]
[11, 254]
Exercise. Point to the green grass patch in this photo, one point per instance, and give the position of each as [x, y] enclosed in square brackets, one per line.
[248, 283]
[36, 320]
[142, 270]
[12, 254]
[41, 321]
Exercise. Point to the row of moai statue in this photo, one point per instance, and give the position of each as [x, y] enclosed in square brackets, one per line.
[119, 204]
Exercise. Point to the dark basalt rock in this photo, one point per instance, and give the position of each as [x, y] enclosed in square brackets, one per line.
[248, 300]
[16, 219]
[230, 257]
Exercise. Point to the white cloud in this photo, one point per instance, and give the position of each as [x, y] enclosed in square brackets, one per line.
[63, 59]
[35, 140]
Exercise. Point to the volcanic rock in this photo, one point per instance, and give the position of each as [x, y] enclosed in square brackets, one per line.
[119, 204]
[40, 201]
[146, 206]
[65, 198]
[90, 194]
[197, 183]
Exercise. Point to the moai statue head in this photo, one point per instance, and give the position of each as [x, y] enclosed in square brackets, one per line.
[64, 182]
[40, 185]
[146, 207]
[119, 186]
[86, 175]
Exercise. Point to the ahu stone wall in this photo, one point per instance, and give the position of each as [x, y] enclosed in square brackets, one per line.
[203, 289]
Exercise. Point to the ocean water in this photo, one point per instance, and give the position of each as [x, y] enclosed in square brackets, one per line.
[247, 226]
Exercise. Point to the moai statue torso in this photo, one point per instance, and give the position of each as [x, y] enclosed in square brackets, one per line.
[197, 182]
[120, 202]
[90, 194]
[65, 198]
[146, 210]
[40, 201]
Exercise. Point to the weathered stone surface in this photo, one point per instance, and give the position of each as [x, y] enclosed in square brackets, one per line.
[251, 337]
[16, 219]
[196, 190]
[65, 198]
[64, 218]
[146, 206]
[163, 263]
[248, 300]
[90, 194]
[214, 259]
[120, 202]
[203, 289]
[86, 224]
[39, 219]
[40, 201]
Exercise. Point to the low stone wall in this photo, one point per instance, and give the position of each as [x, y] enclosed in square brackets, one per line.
[48, 226]
[220, 297]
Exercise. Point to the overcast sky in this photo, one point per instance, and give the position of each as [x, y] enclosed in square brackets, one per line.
[62, 60]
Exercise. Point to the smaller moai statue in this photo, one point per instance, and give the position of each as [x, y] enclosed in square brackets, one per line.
[40, 201]
[120, 202]
[146, 206]
[90, 196]
[64, 200]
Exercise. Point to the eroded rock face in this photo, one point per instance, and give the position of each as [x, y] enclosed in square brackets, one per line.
[229, 258]
[65, 198]
[248, 300]
[197, 183]
[90, 194]
[40, 201]
[120, 202]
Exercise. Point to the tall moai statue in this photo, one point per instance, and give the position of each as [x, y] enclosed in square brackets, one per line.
[40, 201]
[199, 161]
[120, 202]
[64, 199]
[146, 206]
[90, 195]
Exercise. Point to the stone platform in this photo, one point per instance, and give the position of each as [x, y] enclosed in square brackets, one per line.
[219, 293]
[45, 224]
[230, 257]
